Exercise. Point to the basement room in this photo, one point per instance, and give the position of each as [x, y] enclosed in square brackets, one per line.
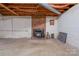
[39, 29]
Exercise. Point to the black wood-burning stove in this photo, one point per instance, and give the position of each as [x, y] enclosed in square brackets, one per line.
[38, 33]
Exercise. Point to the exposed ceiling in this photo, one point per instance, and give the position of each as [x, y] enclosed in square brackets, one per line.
[31, 9]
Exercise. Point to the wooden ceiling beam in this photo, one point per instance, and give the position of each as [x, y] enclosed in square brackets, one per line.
[21, 4]
[5, 7]
[63, 8]
[22, 13]
[60, 5]
[21, 7]
[13, 7]
[41, 8]
[18, 13]
[27, 9]
[29, 14]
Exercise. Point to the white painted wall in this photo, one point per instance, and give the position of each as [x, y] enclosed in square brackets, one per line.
[51, 28]
[69, 23]
[21, 26]
[15, 27]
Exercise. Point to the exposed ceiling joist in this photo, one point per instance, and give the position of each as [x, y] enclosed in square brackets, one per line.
[2, 5]
[21, 9]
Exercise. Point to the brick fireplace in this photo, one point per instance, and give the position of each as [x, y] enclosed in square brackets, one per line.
[38, 26]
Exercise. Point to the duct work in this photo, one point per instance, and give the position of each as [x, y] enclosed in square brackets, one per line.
[47, 6]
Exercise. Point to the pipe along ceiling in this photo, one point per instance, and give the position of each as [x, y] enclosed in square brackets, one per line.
[47, 6]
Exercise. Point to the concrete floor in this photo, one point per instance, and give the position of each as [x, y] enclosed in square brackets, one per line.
[35, 47]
